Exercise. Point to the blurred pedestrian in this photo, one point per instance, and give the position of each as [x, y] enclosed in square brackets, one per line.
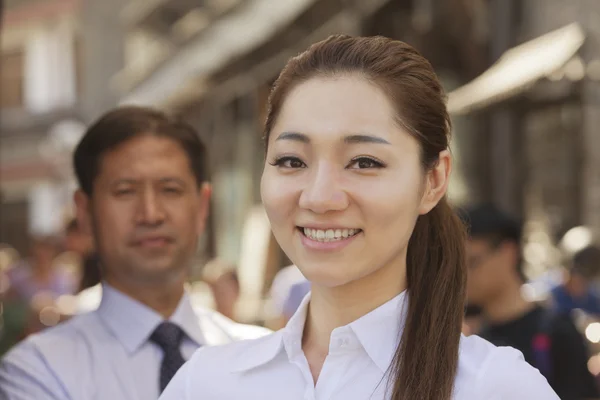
[473, 321]
[144, 195]
[283, 282]
[297, 293]
[576, 291]
[40, 273]
[82, 243]
[354, 185]
[36, 283]
[548, 341]
[223, 281]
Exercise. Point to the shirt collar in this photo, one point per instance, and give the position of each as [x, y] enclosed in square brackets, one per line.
[378, 333]
[267, 348]
[133, 322]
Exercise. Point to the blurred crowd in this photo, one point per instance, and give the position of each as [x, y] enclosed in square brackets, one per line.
[40, 289]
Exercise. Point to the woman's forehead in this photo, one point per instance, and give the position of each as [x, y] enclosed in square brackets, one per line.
[336, 107]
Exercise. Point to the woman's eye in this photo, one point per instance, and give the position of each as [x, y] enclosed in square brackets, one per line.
[365, 163]
[288, 162]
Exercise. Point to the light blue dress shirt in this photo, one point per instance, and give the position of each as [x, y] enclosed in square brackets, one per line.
[106, 354]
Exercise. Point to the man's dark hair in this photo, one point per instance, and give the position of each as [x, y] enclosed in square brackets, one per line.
[586, 262]
[487, 222]
[125, 123]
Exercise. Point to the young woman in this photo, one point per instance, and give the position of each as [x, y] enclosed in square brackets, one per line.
[354, 185]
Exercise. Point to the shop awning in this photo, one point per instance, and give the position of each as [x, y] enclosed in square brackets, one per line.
[232, 35]
[518, 69]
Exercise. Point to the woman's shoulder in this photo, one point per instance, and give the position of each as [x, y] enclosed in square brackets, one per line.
[213, 370]
[493, 372]
[233, 355]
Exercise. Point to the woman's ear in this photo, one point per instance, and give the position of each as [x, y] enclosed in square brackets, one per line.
[436, 182]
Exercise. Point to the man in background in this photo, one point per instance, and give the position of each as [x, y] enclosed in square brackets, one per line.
[549, 342]
[582, 270]
[144, 195]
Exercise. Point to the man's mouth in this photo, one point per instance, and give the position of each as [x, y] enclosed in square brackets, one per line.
[328, 235]
[158, 241]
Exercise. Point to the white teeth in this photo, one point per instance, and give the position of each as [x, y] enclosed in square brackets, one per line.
[329, 235]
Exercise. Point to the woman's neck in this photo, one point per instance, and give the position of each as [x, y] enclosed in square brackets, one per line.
[332, 307]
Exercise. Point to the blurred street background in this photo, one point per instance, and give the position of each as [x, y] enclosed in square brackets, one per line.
[523, 79]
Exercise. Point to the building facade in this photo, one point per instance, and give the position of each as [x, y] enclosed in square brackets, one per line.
[58, 59]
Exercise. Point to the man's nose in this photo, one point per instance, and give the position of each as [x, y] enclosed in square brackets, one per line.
[151, 210]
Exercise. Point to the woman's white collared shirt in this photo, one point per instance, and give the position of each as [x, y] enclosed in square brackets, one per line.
[274, 367]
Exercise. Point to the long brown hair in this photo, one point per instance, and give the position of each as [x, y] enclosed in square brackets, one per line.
[426, 360]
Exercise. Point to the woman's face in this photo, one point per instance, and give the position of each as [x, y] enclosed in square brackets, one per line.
[343, 183]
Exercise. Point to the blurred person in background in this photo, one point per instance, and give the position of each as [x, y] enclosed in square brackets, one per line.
[8, 257]
[354, 186]
[40, 273]
[582, 270]
[473, 321]
[279, 293]
[549, 342]
[144, 195]
[34, 285]
[297, 293]
[82, 243]
[223, 281]
[12, 319]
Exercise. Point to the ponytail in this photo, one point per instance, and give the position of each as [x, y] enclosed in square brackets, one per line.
[426, 361]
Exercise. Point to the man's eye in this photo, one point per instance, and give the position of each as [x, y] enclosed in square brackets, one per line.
[124, 192]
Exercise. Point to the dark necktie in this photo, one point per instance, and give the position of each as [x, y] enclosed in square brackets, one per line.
[168, 336]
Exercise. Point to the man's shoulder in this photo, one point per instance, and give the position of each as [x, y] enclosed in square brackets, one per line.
[50, 364]
[227, 329]
[55, 343]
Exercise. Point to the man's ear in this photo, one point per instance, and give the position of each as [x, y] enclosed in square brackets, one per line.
[436, 183]
[83, 211]
[203, 206]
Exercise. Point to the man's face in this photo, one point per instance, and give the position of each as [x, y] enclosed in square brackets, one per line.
[146, 211]
[489, 270]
